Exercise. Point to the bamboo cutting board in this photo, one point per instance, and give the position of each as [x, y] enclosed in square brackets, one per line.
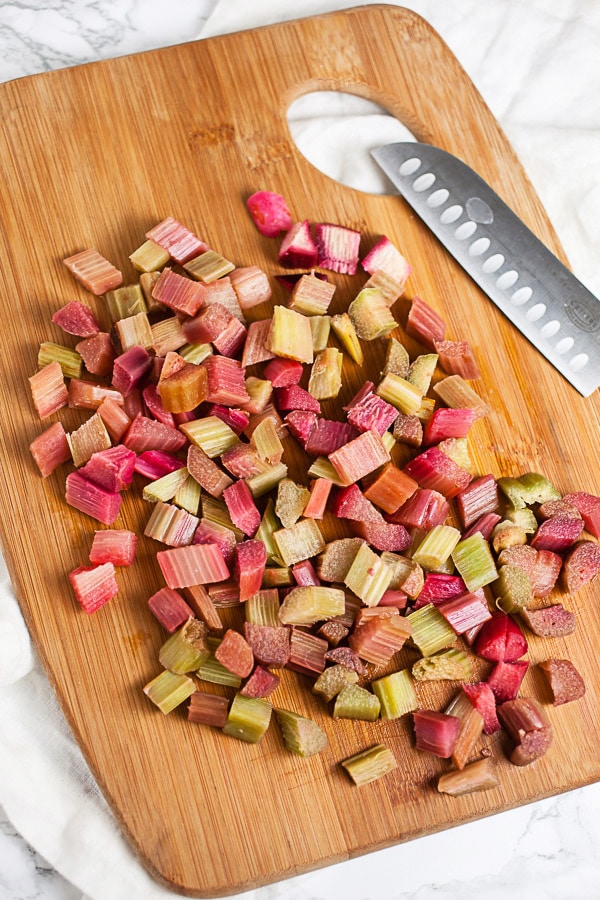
[93, 157]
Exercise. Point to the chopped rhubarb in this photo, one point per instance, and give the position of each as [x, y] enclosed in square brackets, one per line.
[327, 436]
[97, 353]
[581, 565]
[255, 346]
[425, 324]
[370, 764]
[371, 315]
[195, 564]
[359, 457]
[350, 503]
[564, 681]
[111, 469]
[49, 392]
[434, 470]
[293, 397]
[147, 434]
[226, 384]
[50, 449]
[369, 412]
[337, 248]
[130, 369]
[435, 732]
[181, 294]
[261, 683]
[208, 709]
[93, 271]
[529, 728]
[557, 533]
[76, 318]
[185, 389]
[208, 267]
[379, 638]
[500, 639]
[235, 654]
[550, 621]
[176, 239]
[251, 286]
[482, 697]
[269, 213]
[386, 536]
[307, 652]
[91, 499]
[301, 735]
[424, 509]
[298, 249]
[446, 422]
[588, 506]
[440, 586]
[270, 643]
[456, 358]
[506, 677]
[117, 546]
[384, 256]
[466, 611]
[479, 775]
[250, 560]
[153, 464]
[94, 585]
[242, 508]
[169, 607]
[311, 295]
[283, 372]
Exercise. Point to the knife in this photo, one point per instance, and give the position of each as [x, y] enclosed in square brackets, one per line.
[539, 294]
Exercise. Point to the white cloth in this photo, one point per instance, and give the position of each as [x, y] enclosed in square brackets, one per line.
[536, 62]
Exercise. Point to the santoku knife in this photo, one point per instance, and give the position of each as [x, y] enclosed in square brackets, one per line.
[539, 294]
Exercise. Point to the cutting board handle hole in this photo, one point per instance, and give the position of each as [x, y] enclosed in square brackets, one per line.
[335, 131]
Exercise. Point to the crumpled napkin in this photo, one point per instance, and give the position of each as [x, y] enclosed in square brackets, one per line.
[537, 67]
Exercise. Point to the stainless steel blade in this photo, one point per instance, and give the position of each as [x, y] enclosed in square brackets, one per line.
[545, 301]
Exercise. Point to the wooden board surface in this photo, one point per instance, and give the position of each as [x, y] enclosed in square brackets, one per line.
[94, 156]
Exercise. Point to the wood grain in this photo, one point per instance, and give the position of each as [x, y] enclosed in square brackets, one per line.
[94, 156]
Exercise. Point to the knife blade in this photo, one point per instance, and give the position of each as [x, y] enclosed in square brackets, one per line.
[528, 283]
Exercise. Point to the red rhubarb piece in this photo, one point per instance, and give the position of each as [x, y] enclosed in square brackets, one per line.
[94, 586]
[505, 679]
[359, 457]
[305, 574]
[500, 638]
[582, 564]
[424, 323]
[369, 412]
[93, 271]
[169, 607]
[209, 532]
[91, 499]
[269, 212]
[484, 525]
[550, 621]
[237, 419]
[261, 683]
[557, 533]
[589, 509]
[49, 392]
[350, 503]
[439, 586]
[50, 449]
[434, 470]
[112, 469]
[436, 732]
[564, 680]
[155, 406]
[242, 508]
[117, 546]
[226, 381]
[130, 369]
[301, 423]
[385, 257]
[283, 372]
[76, 318]
[191, 565]
[148, 434]
[153, 464]
[292, 397]
[327, 436]
[445, 423]
[526, 722]
[270, 643]
[384, 536]
[307, 653]
[482, 697]
[235, 654]
[97, 353]
[298, 249]
[467, 611]
[178, 292]
[181, 243]
[337, 247]
[423, 509]
[250, 560]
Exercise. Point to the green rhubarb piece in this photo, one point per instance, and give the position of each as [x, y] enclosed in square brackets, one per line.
[508, 534]
[421, 371]
[186, 649]
[334, 562]
[436, 547]
[430, 630]
[127, 300]
[149, 257]
[69, 360]
[332, 679]
[165, 487]
[262, 608]
[345, 332]
[396, 693]
[269, 524]
[397, 360]
[320, 326]
[195, 353]
[211, 434]
[325, 381]
[400, 393]
[290, 502]
[474, 561]
[264, 482]
[290, 335]
[524, 518]
[310, 604]
[512, 589]
[208, 267]
[188, 495]
[355, 702]
[370, 764]
[448, 665]
[212, 671]
[301, 735]
[368, 577]
[538, 489]
[322, 468]
[301, 541]
[277, 576]
[248, 718]
[371, 315]
[134, 331]
[169, 690]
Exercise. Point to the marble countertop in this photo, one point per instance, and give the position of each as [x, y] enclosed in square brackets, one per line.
[549, 850]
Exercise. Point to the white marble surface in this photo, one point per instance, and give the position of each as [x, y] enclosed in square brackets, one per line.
[548, 850]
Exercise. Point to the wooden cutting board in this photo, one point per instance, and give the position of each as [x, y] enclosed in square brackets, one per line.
[92, 157]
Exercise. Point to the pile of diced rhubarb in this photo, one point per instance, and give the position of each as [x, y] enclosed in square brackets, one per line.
[199, 403]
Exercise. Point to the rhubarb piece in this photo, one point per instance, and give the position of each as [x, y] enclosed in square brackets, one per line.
[305, 574]
[94, 586]
[474, 561]
[369, 412]
[283, 372]
[454, 391]
[430, 631]
[250, 563]
[298, 249]
[320, 327]
[457, 358]
[235, 654]
[557, 534]
[529, 728]
[479, 498]
[480, 775]
[170, 525]
[248, 718]
[87, 395]
[186, 649]
[467, 611]
[385, 536]
[194, 564]
[290, 335]
[389, 488]
[482, 697]
[344, 330]
[331, 681]
[512, 589]
[311, 295]
[337, 247]
[208, 709]
[345, 656]
[49, 392]
[185, 389]
[435, 732]
[251, 286]
[208, 532]
[243, 461]
[91, 437]
[269, 213]
[301, 735]
[124, 301]
[149, 257]
[169, 607]
[255, 346]
[188, 495]
[50, 449]
[226, 383]
[528, 489]
[213, 436]
[368, 577]
[290, 502]
[237, 419]
[546, 569]
[134, 331]
[564, 681]
[242, 508]
[320, 489]
[212, 671]
[260, 684]
[301, 541]
[588, 506]
[425, 324]
[93, 271]
[505, 679]
[447, 665]
[471, 727]
[146, 434]
[434, 470]
[439, 586]
[181, 243]
[307, 653]
[436, 547]
[500, 639]
[336, 558]
[97, 353]
[91, 499]
[327, 436]
[208, 266]
[350, 503]
[550, 621]
[153, 464]
[111, 469]
[370, 764]
[178, 293]
[379, 638]
[388, 287]
[424, 509]
[408, 429]
[325, 380]
[270, 644]
[117, 546]
[355, 702]
[384, 256]
[485, 525]
[400, 393]
[168, 690]
[371, 316]
[307, 605]
[396, 693]
[359, 457]
[130, 368]
[581, 565]
[76, 318]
